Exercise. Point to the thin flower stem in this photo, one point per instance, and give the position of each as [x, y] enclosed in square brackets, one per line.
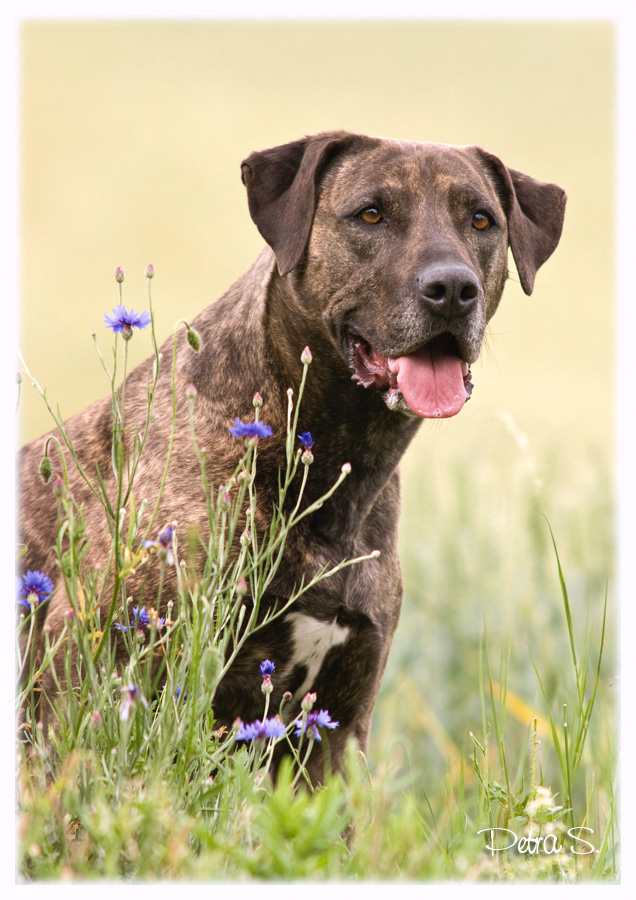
[171, 440]
[302, 770]
[62, 457]
[118, 441]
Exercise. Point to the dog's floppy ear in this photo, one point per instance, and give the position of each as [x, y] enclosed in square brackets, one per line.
[535, 213]
[281, 191]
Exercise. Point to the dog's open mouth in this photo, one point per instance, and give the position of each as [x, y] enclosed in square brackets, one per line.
[434, 380]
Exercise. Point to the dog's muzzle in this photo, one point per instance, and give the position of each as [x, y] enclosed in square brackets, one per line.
[434, 382]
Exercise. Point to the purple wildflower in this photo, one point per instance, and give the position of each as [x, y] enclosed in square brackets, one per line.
[165, 537]
[268, 728]
[164, 542]
[314, 721]
[123, 321]
[33, 589]
[306, 440]
[250, 429]
[141, 620]
[267, 668]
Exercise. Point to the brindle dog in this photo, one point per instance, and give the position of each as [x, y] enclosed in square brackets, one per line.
[387, 258]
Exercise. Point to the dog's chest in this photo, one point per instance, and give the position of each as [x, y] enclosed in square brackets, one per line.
[311, 640]
[331, 641]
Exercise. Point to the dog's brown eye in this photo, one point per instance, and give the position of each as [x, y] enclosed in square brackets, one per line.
[481, 221]
[370, 215]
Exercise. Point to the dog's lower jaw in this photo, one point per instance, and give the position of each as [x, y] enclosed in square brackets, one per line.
[396, 403]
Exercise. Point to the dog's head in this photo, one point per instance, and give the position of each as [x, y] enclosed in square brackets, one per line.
[402, 248]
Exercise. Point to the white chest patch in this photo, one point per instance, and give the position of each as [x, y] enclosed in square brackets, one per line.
[313, 638]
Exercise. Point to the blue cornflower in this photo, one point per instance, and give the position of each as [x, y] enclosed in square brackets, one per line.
[267, 668]
[33, 588]
[123, 321]
[165, 538]
[141, 619]
[314, 721]
[306, 440]
[268, 728]
[250, 429]
[164, 542]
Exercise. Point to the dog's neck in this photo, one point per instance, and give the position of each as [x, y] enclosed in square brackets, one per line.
[349, 423]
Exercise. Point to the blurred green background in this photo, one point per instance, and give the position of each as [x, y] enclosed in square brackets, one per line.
[132, 136]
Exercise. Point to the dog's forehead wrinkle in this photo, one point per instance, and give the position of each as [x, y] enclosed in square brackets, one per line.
[410, 178]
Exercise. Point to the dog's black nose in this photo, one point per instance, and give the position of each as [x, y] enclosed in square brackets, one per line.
[449, 290]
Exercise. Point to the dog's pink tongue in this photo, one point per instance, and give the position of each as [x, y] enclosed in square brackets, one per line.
[431, 381]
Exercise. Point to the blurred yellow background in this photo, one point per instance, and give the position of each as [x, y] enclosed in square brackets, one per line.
[132, 135]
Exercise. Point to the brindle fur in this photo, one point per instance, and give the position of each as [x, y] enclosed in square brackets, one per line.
[323, 276]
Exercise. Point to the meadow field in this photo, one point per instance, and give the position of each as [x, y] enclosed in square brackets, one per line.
[499, 705]
[495, 723]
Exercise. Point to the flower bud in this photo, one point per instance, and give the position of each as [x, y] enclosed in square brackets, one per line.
[211, 665]
[241, 587]
[191, 392]
[194, 339]
[119, 274]
[257, 400]
[307, 458]
[305, 356]
[346, 469]
[308, 702]
[150, 271]
[46, 469]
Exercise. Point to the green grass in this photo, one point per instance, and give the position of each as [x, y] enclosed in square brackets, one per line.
[497, 709]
